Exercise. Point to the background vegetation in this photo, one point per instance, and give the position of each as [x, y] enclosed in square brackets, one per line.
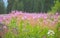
[29, 24]
[31, 6]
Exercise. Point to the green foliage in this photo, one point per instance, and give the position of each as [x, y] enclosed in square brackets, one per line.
[58, 30]
[56, 8]
[26, 30]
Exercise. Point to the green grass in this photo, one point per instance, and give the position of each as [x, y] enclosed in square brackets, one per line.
[26, 30]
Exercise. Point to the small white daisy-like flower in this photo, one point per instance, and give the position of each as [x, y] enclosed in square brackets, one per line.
[50, 33]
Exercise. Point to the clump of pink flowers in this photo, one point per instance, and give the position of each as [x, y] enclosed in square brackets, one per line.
[48, 19]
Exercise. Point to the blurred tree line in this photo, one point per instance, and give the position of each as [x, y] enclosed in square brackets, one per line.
[2, 8]
[31, 6]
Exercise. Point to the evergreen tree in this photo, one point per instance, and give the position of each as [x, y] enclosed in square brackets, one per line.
[2, 8]
[48, 5]
[18, 5]
[15, 5]
[10, 5]
[30, 5]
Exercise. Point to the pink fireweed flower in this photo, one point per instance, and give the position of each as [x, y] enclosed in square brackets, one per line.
[24, 17]
[7, 21]
[45, 17]
[56, 20]
[45, 22]
[4, 18]
[34, 17]
[55, 17]
[4, 27]
[53, 22]
[56, 13]
[38, 16]
[1, 19]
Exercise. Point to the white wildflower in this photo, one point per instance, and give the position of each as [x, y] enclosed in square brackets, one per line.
[50, 32]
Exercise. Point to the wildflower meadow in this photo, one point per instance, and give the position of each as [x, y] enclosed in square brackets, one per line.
[31, 25]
